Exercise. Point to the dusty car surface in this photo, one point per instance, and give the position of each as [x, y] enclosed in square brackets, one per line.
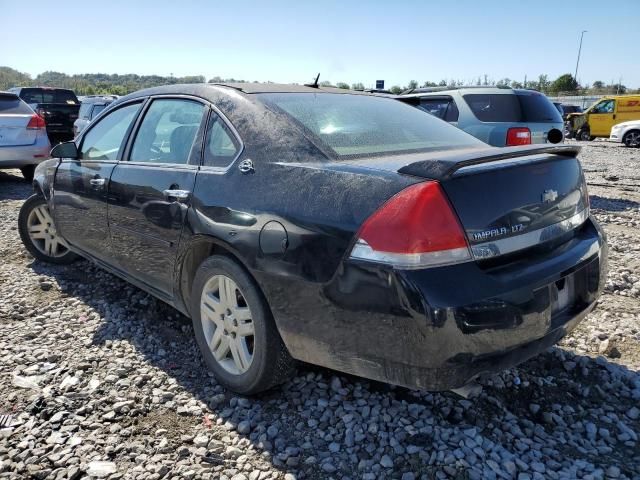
[341, 229]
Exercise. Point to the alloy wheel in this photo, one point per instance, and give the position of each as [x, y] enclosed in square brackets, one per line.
[42, 233]
[227, 324]
[632, 139]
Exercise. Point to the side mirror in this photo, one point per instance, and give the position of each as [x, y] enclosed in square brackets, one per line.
[65, 150]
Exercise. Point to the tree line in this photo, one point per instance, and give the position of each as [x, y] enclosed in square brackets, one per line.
[102, 83]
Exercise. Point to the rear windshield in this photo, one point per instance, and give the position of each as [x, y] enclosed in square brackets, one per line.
[506, 107]
[10, 104]
[48, 95]
[360, 125]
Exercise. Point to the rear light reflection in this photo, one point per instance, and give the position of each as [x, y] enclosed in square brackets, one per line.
[518, 136]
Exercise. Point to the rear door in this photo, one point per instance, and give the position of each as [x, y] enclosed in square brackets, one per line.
[150, 193]
[601, 118]
[81, 185]
[14, 118]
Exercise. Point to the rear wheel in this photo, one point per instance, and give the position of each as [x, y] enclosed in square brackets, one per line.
[39, 235]
[632, 138]
[234, 329]
[27, 172]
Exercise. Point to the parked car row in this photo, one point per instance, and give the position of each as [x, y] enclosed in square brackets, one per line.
[616, 118]
[344, 229]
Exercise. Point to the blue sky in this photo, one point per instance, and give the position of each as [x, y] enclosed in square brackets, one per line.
[289, 41]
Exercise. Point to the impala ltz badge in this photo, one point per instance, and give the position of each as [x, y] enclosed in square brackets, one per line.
[497, 232]
[549, 196]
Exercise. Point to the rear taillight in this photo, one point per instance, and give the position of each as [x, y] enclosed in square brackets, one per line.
[417, 228]
[518, 136]
[36, 122]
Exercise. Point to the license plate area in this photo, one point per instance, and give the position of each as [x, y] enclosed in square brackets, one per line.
[565, 294]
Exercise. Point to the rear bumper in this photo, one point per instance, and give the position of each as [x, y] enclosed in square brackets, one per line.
[16, 157]
[438, 328]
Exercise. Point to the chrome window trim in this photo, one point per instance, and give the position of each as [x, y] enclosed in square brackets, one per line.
[494, 248]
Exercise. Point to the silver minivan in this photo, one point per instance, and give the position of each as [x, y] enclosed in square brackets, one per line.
[499, 116]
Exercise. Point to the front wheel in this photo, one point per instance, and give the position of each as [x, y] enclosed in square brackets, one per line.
[632, 138]
[584, 135]
[234, 329]
[39, 235]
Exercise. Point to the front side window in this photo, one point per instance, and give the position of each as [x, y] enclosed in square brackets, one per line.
[351, 125]
[105, 139]
[607, 106]
[222, 147]
[168, 131]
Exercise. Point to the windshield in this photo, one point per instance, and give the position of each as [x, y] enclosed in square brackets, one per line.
[360, 125]
[517, 108]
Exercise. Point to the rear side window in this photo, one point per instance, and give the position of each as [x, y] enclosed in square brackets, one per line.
[10, 104]
[168, 131]
[105, 139]
[222, 147]
[507, 107]
[359, 125]
[443, 108]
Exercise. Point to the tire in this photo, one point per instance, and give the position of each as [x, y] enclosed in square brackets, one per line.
[38, 233]
[632, 138]
[270, 363]
[27, 172]
[584, 135]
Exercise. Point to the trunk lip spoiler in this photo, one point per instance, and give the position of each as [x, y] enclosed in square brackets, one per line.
[496, 154]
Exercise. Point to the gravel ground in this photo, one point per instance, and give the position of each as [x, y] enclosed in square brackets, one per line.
[99, 379]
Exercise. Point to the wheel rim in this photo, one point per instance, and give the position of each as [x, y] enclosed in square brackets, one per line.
[227, 324]
[633, 139]
[43, 234]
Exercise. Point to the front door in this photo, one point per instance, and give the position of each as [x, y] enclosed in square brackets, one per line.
[601, 118]
[80, 186]
[150, 193]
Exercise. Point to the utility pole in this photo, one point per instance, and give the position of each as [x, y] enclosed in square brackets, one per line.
[575, 76]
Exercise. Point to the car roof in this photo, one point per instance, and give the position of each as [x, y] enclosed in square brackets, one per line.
[97, 100]
[8, 94]
[207, 90]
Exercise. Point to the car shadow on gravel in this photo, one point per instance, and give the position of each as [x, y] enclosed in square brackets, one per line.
[548, 394]
[612, 204]
[13, 186]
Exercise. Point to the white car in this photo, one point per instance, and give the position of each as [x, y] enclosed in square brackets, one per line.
[627, 133]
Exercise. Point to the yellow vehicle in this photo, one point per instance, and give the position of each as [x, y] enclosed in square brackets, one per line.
[597, 120]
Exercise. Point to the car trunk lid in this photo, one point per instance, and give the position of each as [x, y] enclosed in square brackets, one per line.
[14, 132]
[507, 199]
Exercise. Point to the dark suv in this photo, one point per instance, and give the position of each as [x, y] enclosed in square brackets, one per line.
[58, 106]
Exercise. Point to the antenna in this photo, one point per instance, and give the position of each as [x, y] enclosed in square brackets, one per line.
[315, 82]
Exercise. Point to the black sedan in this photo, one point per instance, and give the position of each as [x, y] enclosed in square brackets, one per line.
[332, 227]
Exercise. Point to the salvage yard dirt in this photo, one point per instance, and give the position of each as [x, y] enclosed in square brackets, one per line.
[99, 379]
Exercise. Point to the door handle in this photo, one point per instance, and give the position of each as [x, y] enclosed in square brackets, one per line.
[177, 195]
[97, 182]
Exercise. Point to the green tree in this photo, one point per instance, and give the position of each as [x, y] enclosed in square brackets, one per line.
[325, 83]
[357, 86]
[564, 83]
[516, 84]
[442, 83]
[598, 85]
[413, 84]
[543, 83]
[396, 89]
[429, 84]
[342, 85]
